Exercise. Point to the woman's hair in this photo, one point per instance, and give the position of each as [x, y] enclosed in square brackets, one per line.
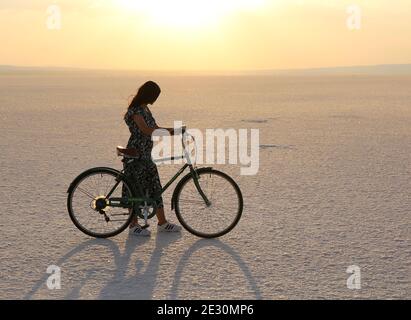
[147, 94]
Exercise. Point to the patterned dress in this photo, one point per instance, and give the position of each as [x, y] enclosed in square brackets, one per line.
[143, 170]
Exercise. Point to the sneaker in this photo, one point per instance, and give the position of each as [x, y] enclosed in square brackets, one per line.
[139, 232]
[168, 227]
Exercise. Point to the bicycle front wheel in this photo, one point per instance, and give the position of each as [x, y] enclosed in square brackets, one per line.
[220, 216]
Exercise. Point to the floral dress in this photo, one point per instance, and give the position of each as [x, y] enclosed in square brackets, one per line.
[143, 170]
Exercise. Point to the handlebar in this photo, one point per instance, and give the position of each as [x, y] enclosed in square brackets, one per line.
[186, 153]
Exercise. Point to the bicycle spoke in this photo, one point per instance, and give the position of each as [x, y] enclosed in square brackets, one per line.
[86, 193]
[108, 187]
[193, 201]
[211, 191]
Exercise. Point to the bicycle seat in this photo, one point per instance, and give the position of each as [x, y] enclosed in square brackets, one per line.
[127, 152]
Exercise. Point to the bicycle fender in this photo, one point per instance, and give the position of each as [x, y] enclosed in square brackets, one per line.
[182, 181]
[76, 180]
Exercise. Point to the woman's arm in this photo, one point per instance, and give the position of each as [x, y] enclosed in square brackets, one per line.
[139, 120]
[172, 131]
[142, 125]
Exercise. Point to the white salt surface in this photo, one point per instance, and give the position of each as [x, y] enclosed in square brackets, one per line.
[333, 188]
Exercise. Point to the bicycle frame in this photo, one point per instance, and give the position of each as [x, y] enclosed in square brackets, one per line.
[131, 202]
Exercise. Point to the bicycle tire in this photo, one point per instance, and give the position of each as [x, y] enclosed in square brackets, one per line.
[180, 215]
[73, 187]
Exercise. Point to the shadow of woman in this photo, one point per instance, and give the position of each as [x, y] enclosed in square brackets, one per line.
[204, 243]
[140, 285]
[102, 243]
[121, 261]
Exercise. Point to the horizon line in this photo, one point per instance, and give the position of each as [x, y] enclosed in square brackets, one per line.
[210, 71]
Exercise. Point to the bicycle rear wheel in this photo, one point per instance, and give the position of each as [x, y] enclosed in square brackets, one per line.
[89, 207]
[214, 220]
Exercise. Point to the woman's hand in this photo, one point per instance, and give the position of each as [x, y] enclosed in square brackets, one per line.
[174, 132]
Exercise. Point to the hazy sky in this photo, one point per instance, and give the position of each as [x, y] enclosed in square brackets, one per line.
[205, 34]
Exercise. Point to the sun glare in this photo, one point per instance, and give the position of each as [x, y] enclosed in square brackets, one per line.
[187, 13]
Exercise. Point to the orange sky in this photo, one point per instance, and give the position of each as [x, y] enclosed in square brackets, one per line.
[204, 34]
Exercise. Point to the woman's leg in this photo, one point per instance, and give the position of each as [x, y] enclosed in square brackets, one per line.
[163, 224]
[156, 188]
[161, 216]
[134, 222]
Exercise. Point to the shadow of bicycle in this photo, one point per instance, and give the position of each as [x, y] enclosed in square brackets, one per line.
[219, 246]
[127, 283]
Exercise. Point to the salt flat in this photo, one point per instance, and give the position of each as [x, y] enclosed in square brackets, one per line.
[333, 189]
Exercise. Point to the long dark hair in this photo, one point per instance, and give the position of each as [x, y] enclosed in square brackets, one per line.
[147, 94]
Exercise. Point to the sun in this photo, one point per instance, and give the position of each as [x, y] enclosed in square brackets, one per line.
[186, 13]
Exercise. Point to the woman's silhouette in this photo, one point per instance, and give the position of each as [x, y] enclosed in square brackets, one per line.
[142, 124]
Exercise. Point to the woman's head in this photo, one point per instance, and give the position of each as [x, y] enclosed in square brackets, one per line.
[147, 94]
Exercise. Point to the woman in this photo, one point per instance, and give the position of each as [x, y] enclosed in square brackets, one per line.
[142, 124]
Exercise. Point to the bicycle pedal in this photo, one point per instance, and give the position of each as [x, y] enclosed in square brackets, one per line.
[145, 227]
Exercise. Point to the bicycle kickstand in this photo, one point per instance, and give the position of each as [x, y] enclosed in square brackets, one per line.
[145, 214]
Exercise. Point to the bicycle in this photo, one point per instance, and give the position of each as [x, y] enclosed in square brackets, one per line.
[201, 210]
